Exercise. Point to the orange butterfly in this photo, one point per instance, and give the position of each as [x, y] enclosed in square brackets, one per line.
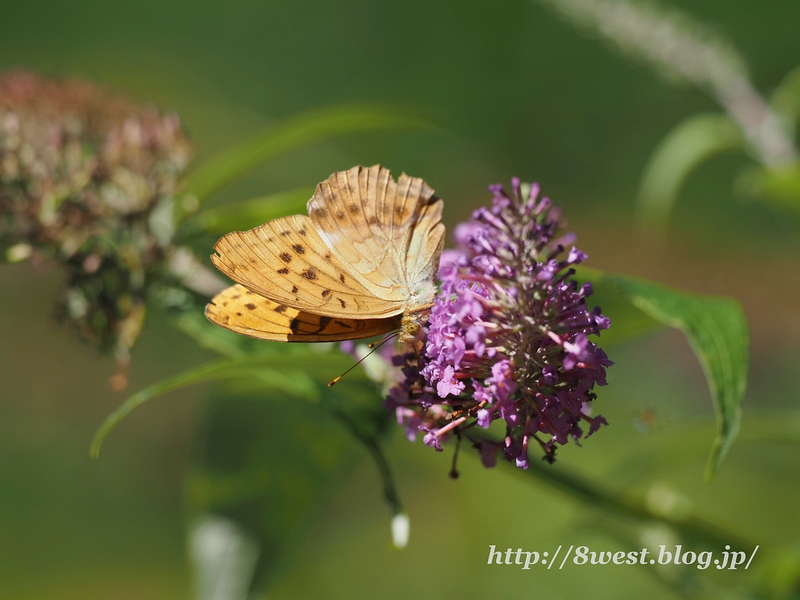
[363, 263]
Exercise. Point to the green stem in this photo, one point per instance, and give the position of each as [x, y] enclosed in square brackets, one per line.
[376, 452]
[626, 505]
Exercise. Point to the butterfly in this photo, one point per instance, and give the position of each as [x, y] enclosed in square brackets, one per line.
[362, 263]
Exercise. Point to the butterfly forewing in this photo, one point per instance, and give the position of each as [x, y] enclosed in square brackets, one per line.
[367, 254]
[243, 311]
[372, 223]
[287, 261]
[426, 243]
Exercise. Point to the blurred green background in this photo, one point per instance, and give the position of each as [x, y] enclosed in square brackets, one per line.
[514, 90]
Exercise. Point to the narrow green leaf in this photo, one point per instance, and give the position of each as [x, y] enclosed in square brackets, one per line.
[292, 133]
[715, 327]
[209, 336]
[222, 341]
[295, 382]
[681, 151]
[240, 216]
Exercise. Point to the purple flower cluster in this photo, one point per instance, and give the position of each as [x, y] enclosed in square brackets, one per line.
[507, 337]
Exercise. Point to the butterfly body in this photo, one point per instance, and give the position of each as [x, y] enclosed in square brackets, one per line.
[361, 264]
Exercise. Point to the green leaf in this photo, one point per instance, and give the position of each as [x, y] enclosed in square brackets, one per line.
[292, 133]
[776, 186]
[628, 322]
[715, 327]
[294, 382]
[785, 99]
[673, 444]
[681, 151]
[240, 216]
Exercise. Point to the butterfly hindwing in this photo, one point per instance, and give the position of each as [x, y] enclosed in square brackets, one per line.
[243, 311]
[287, 261]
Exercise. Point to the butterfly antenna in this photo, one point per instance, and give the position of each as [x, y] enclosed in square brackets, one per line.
[373, 347]
[378, 344]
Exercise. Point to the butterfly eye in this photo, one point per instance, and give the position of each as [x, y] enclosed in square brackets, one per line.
[410, 325]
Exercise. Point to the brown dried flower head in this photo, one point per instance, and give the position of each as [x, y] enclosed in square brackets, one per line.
[87, 178]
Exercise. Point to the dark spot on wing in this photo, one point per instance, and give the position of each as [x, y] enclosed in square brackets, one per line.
[326, 293]
[294, 326]
[341, 277]
[283, 271]
[323, 323]
[238, 314]
[340, 215]
[309, 273]
[286, 233]
[352, 208]
[224, 304]
[302, 231]
[299, 248]
[372, 221]
[328, 256]
[294, 289]
[281, 308]
[250, 306]
[236, 296]
[285, 257]
[343, 324]
[342, 302]
[320, 212]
